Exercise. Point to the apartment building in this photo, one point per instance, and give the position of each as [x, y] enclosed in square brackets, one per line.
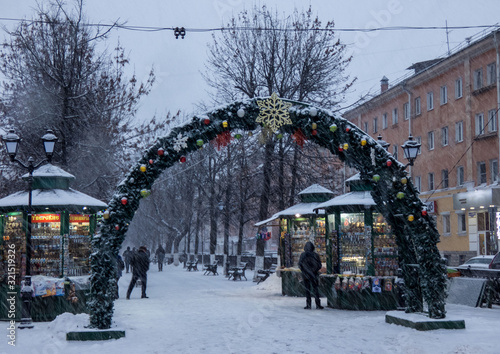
[450, 106]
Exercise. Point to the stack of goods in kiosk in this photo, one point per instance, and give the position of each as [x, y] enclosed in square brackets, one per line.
[358, 283]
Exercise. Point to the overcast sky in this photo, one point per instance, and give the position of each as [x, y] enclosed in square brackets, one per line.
[178, 62]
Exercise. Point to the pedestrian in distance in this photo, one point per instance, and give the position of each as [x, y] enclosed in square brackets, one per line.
[120, 266]
[140, 267]
[127, 256]
[310, 264]
[160, 256]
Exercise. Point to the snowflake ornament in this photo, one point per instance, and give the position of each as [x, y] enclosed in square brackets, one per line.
[180, 142]
[274, 112]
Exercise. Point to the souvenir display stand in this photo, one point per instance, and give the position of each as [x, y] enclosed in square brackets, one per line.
[62, 224]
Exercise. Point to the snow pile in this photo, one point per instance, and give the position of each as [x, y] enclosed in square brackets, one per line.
[271, 284]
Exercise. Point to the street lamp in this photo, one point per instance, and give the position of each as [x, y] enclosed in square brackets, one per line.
[11, 140]
[411, 149]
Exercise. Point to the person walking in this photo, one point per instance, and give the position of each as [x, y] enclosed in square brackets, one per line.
[310, 264]
[160, 256]
[127, 256]
[140, 266]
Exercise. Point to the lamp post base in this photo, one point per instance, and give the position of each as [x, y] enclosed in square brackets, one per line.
[26, 297]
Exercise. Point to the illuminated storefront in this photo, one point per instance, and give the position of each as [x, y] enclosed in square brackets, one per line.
[63, 222]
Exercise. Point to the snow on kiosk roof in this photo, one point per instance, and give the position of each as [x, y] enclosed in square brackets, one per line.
[51, 190]
[310, 198]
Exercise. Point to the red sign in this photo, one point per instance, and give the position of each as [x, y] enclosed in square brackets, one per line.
[78, 218]
[46, 218]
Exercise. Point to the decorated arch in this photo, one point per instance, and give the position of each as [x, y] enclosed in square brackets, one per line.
[396, 198]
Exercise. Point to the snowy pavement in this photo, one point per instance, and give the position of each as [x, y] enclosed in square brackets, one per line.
[188, 312]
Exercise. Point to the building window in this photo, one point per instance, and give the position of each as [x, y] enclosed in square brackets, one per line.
[443, 97]
[444, 178]
[430, 181]
[430, 100]
[446, 224]
[459, 131]
[395, 151]
[494, 170]
[460, 176]
[481, 172]
[384, 121]
[492, 120]
[395, 116]
[365, 127]
[444, 136]
[462, 224]
[418, 107]
[491, 74]
[406, 110]
[375, 124]
[458, 88]
[478, 79]
[479, 124]
[430, 140]
[418, 183]
[419, 140]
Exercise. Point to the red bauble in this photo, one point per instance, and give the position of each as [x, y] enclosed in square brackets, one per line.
[206, 121]
[182, 159]
[151, 162]
[124, 201]
[424, 212]
[389, 163]
[341, 149]
[117, 227]
[347, 129]
[314, 132]
[161, 152]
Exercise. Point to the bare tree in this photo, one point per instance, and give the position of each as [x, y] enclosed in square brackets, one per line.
[57, 78]
[260, 53]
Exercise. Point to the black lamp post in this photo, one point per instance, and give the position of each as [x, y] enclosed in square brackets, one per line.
[11, 140]
[411, 148]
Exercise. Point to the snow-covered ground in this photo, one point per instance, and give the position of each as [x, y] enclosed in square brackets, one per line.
[190, 313]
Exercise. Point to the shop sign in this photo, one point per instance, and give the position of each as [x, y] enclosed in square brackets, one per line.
[431, 207]
[46, 218]
[78, 218]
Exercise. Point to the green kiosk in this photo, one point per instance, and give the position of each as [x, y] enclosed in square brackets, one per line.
[63, 222]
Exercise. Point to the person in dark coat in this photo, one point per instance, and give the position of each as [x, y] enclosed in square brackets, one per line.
[160, 256]
[140, 266]
[127, 257]
[120, 266]
[310, 264]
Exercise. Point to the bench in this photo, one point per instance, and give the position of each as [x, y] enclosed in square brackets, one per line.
[237, 272]
[192, 266]
[263, 274]
[210, 268]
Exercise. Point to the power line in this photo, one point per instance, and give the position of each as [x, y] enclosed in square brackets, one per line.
[250, 28]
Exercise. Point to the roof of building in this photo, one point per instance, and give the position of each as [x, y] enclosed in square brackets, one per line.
[297, 209]
[66, 199]
[315, 189]
[353, 198]
[49, 170]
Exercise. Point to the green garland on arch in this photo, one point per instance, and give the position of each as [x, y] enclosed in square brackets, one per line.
[396, 200]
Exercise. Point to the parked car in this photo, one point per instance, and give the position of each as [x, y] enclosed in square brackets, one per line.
[479, 262]
[495, 263]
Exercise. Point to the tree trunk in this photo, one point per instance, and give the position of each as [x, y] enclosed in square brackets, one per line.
[293, 184]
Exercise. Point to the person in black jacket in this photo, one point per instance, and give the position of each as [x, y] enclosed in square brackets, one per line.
[310, 264]
[160, 256]
[140, 266]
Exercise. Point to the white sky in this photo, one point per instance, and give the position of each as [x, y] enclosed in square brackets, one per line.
[178, 62]
[188, 312]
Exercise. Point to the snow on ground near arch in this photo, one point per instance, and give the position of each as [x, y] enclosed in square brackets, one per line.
[188, 312]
